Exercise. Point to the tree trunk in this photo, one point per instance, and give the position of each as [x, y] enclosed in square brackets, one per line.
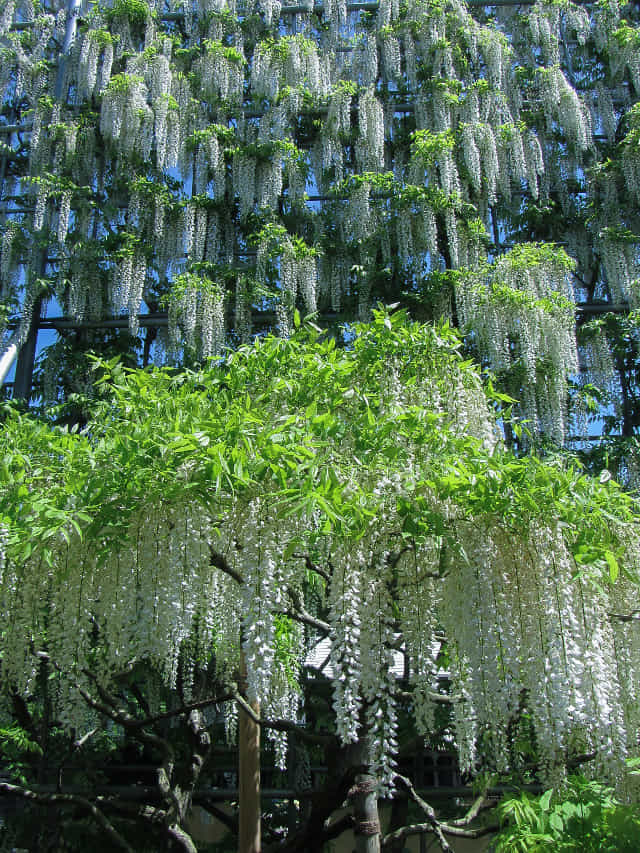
[364, 801]
[249, 840]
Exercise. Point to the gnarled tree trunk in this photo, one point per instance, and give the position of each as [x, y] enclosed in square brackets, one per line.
[364, 800]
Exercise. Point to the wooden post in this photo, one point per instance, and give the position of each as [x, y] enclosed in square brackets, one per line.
[249, 839]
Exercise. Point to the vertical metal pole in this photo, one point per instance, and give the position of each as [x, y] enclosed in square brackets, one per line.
[3, 170]
[73, 11]
[7, 360]
[9, 355]
[26, 360]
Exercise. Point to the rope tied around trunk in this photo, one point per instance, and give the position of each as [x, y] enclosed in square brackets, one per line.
[365, 786]
[367, 827]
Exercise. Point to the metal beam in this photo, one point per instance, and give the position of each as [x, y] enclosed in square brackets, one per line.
[318, 8]
[159, 319]
[15, 128]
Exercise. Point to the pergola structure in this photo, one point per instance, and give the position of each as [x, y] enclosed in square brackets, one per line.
[200, 172]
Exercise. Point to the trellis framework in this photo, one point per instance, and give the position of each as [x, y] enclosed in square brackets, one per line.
[223, 165]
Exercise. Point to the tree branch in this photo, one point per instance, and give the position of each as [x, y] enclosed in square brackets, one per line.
[187, 709]
[181, 838]
[140, 699]
[62, 800]
[219, 562]
[313, 567]
[634, 616]
[283, 725]
[23, 716]
[337, 827]
[479, 805]
[404, 832]
[318, 827]
[110, 708]
[577, 760]
[300, 614]
[440, 828]
[459, 832]
[433, 825]
[446, 829]
[80, 742]
[152, 814]
[443, 698]
[393, 560]
[307, 619]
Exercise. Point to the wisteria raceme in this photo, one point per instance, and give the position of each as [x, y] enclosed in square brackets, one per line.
[371, 123]
[471, 156]
[212, 323]
[346, 620]
[7, 268]
[511, 308]
[529, 630]
[64, 211]
[391, 56]
[4, 538]
[621, 264]
[40, 208]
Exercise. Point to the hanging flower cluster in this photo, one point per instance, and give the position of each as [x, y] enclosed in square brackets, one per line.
[220, 70]
[531, 630]
[196, 317]
[200, 496]
[289, 62]
[95, 62]
[126, 118]
[296, 263]
[520, 309]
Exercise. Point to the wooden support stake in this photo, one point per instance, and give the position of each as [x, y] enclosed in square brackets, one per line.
[249, 838]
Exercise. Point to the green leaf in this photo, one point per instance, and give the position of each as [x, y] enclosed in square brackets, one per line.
[545, 800]
[614, 568]
[556, 822]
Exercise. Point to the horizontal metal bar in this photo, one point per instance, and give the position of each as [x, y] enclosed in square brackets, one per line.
[590, 439]
[15, 128]
[159, 319]
[156, 320]
[595, 308]
[318, 8]
[300, 8]
[247, 112]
